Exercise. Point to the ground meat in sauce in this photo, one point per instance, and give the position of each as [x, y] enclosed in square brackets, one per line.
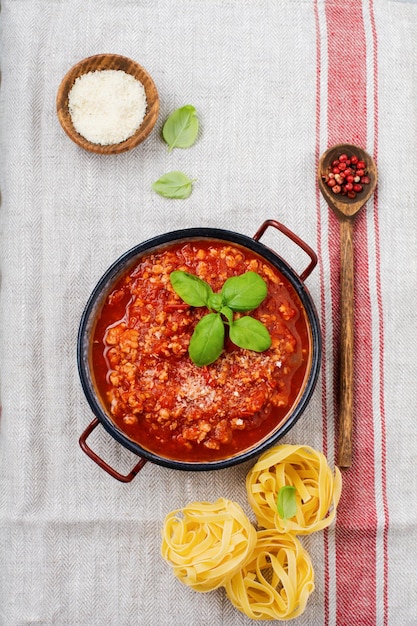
[152, 386]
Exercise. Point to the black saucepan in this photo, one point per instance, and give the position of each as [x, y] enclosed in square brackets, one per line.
[104, 287]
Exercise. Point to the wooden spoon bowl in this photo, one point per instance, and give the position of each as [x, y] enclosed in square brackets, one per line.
[342, 205]
[108, 62]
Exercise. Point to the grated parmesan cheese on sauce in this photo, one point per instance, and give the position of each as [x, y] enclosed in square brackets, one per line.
[107, 106]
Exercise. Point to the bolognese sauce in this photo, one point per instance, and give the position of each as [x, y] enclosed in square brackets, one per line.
[153, 391]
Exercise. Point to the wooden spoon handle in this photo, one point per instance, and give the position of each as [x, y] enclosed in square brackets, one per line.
[346, 343]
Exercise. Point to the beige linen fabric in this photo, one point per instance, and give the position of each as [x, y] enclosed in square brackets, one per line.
[77, 547]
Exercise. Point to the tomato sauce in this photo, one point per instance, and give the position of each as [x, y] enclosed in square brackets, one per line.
[153, 391]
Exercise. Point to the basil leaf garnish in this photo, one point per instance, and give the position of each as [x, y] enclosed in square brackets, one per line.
[286, 502]
[173, 185]
[215, 301]
[191, 288]
[181, 128]
[245, 292]
[228, 313]
[247, 332]
[207, 340]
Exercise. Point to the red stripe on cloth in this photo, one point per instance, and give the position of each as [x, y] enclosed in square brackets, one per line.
[381, 326]
[326, 578]
[357, 516]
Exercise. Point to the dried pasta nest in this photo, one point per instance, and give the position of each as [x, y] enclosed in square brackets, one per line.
[277, 581]
[206, 543]
[317, 488]
[267, 574]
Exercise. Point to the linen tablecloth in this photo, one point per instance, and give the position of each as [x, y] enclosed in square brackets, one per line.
[274, 85]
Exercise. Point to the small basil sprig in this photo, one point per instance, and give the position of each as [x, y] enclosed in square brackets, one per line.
[239, 293]
[181, 128]
[173, 185]
[286, 502]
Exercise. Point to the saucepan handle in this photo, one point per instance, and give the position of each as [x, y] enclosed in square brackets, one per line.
[286, 231]
[107, 468]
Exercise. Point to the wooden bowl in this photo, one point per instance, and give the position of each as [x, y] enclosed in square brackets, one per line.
[108, 62]
[343, 205]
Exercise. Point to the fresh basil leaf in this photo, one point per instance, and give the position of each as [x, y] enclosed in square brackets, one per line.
[228, 313]
[207, 340]
[286, 502]
[173, 185]
[247, 332]
[190, 288]
[181, 128]
[245, 292]
[215, 301]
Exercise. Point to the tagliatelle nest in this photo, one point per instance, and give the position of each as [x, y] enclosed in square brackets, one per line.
[267, 574]
[206, 543]
[317, 488]
[278, 580]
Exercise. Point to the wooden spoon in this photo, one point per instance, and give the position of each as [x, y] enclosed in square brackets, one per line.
[346, 208]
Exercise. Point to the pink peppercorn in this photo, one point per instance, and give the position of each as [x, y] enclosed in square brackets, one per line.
[347, 175]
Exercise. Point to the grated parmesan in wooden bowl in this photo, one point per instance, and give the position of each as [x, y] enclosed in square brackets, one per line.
[107, 104]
